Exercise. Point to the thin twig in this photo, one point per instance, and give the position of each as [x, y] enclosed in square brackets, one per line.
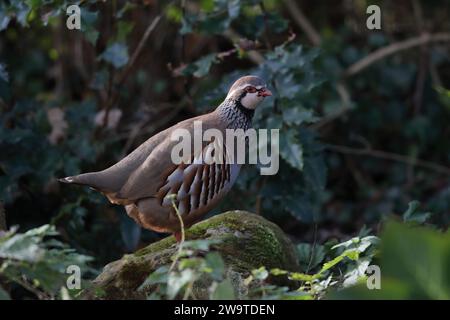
[346, 106]
[370, 59]
[394, 48]
[114, 97]
[180, 245]
[390, 156]
[423, 59]
[303, 22]
[266, 26]
[139, 48]
[313, 248]
[253, 55]
[143, 129]
[25, 284]
[316, 40]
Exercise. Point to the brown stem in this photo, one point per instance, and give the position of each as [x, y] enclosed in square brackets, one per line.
[390, 156]
[381, 53]
[303, 22]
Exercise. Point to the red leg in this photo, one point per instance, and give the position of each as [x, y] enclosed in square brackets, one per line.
[177, 236]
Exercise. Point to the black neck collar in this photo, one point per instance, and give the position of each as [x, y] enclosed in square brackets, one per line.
[248, 113]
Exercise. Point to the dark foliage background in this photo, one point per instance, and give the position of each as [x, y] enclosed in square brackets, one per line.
[360, 139]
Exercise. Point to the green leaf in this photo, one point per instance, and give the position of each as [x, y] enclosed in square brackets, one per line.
[299, 207]
[207, 5]
[88, 25]
[3, 73]
[123, 29]
[297, 276]
[310, 256]
[204, 64]
[223, 291]
[414, 215]
[41, 260]
[352, 254]
[177, 281]
[116, 54]
[260, 273]
[297, 116]
[25, 247]
[414, 264]
[4, 19]
[234, 7]
[215, 262]
[290, 148]
[174, 13]
[158, 276]
[278, 272]
[201, 244]
[3, 294]
[419, 258]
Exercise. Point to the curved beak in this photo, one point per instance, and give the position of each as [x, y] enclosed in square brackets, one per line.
[265, 92]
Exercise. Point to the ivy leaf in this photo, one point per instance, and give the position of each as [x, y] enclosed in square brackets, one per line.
[310, 256]
[299, 207]
[88, 21]
[297, 116]
[22, 11]
[223, 291]
[186, 26]
[177, 281]
[315, 172]
[234, 7]
[3, 294]
[414, 215]
[4, 19]
[352, 254]
[260, 273]
[123, 29]
[291, 150]
[159, 276]
[3, 73]
[215, 262]
[116, 54]
[204, 64]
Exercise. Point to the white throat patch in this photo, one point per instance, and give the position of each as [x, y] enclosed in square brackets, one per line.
[251, 100]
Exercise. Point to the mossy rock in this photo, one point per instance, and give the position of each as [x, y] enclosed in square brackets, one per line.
[248, 241]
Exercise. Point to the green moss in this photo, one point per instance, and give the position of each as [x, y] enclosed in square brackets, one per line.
[248, 241]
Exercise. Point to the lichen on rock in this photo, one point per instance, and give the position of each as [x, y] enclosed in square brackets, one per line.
[248, 241]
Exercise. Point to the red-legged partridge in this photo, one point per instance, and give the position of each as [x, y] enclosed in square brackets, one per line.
[143, 180]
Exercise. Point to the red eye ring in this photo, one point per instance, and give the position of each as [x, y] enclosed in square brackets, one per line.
[250, 89]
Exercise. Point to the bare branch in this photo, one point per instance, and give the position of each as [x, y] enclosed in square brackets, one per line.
[394, 48]
[390, 156]
[253, 55]
[303, 22]
[139, 48]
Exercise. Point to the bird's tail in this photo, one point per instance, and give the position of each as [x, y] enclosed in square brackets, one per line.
[90, 179]
[98, 181]
[67, 179]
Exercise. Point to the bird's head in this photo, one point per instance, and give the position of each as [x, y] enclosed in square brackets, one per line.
[249, 91]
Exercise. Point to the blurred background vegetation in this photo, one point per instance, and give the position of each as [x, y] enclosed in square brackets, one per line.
[363, 114]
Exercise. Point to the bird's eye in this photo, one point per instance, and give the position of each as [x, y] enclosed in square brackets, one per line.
[250, 89]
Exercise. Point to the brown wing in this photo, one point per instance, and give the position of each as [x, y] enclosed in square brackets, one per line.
[196, 184]
[147, 179]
